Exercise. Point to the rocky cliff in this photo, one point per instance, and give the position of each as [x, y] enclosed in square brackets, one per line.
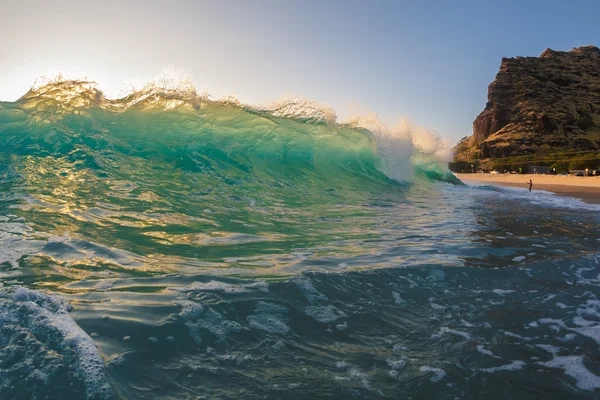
[539, 105]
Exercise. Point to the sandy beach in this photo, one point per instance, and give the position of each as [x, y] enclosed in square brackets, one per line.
[584, 188]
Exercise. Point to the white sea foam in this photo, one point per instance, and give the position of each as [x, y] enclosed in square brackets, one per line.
[398, 348]
[224, 287]
[592, 331]
[549, 348]
[402, 145]
[514, 366]
[436, 275]
[397, 298]
[395, 364]
[190, 313]
[394, 146]
[268, 317]
[47, 318]
[549, 297]
[342, 327]
[261, 286]
[575, 367]
[216, 324]
[211, 321]
[540, 198]
[190, 309]
[595, 281]
[514, 335]
[589, 328]
[306, 287]
[445, 330]
[364, 378]
[483, 350]
[324, 314]
[438, 373]
[341, 365]
[502, 292]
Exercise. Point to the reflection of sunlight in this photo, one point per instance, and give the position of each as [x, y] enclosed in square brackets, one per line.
[359, 237]
[215, 238]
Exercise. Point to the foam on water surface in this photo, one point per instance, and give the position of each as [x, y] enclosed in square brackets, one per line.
[268, 317]
[437, 374]
[45, 321]
[574, 367]
[513, 366]
[540, 198]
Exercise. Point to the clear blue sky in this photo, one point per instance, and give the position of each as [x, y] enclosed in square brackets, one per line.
[428, 60]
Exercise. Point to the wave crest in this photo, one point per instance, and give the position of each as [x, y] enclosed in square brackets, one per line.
[167, 92]
[63, 94]
[399, 149]
[298, 109]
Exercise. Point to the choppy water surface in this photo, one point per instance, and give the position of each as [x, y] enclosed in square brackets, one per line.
[160, 246]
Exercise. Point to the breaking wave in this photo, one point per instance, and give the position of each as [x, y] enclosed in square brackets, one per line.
[400, 153]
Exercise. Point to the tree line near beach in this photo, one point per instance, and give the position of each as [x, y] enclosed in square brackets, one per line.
[556, 161]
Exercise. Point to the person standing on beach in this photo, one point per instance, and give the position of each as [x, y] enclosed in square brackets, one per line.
[530, 184]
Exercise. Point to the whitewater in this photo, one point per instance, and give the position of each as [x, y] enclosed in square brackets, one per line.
[168, 245]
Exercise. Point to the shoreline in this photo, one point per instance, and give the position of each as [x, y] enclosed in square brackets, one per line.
[586, 188]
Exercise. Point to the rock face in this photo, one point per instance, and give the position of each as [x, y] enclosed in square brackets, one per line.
[539, 104]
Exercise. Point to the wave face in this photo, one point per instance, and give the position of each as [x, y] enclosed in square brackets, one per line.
[164, 169]
[171, 244]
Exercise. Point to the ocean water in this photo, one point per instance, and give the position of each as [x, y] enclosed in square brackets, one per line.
[167, 246]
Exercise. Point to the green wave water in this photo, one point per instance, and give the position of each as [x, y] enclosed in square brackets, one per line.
[167, 245]
[185, 180]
